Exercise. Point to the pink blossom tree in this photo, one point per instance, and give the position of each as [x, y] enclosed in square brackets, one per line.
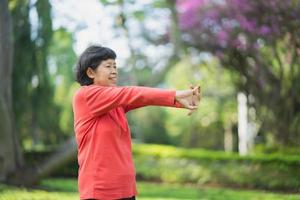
[260, 40]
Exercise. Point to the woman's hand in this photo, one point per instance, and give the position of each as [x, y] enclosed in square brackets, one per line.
[189, 98]
[196, 98]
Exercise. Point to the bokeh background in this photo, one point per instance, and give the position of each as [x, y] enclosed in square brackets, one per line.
[243, 142]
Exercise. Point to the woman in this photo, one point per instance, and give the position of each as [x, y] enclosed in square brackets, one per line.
[106, 169]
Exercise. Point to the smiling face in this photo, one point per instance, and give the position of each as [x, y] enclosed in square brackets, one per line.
[105, 74]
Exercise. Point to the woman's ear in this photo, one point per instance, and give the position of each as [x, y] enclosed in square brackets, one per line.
[90, 73]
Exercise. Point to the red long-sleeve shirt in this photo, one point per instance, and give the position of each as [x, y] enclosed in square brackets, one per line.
[106, 169]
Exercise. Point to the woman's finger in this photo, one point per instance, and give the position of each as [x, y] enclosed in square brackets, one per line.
[196, 90]
[196, 96]
[193, 102]
[199, 90]
[191, 107]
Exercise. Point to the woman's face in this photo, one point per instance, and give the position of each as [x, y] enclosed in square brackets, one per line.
[106, 74]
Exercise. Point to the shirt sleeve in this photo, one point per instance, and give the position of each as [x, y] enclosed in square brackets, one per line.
[172, 103]
[101, 99]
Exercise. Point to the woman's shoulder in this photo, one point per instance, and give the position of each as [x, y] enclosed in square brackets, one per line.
[82, 90]
[86, 90]
[79, 91]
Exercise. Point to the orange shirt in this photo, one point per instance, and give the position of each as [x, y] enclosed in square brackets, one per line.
[106, 169]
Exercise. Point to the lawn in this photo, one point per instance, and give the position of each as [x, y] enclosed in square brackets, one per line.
[66, 189]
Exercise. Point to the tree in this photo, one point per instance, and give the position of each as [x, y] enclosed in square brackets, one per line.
[259, 40]
[10, 153]
[144, 70]
[33, 89]
[62, 59]
[30, 61]
[147, 71]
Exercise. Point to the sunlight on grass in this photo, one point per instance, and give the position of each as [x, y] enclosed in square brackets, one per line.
[66, 189]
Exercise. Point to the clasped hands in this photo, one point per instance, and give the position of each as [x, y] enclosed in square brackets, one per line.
[190, 98]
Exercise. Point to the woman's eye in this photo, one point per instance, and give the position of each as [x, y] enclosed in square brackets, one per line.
[108, 66]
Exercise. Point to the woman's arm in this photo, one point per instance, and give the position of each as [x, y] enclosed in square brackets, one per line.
[182, 99]
[171, 103]
[101, 99]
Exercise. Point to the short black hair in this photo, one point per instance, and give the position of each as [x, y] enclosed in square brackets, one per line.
[92, 57]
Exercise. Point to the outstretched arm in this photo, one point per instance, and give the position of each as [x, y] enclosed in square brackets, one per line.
[183, 99]
[101, 99]
[168, 97]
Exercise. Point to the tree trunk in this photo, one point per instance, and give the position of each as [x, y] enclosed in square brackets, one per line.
[242, 124]
[178, 49]
[31, 175]
[10, 151]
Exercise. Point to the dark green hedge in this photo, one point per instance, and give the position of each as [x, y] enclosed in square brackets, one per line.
[171, 164]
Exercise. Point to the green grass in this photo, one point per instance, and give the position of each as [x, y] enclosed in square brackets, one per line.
[66, 189]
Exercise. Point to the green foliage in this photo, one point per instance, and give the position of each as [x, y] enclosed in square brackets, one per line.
[33, 90]
[147, 125]
[199, 166]
[66, 189]
[164, 151]
[22, 66]
[217, 109]
[43, 82]
[279, 150]
[156, 162]
[62, 58]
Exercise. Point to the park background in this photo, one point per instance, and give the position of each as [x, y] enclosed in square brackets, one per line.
[243, 142]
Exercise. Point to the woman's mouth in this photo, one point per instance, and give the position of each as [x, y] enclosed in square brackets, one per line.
[113, 78]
